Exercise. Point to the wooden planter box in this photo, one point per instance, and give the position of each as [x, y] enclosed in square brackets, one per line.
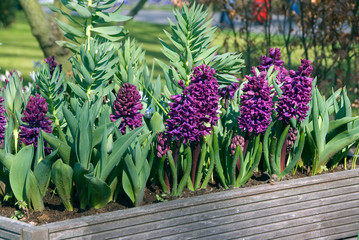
[320, 207]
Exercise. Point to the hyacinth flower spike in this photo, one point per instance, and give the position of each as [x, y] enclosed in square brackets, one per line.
[2, 122]
[255, 116]
[284, 144]
[35, 120]
[192, 115]
[127, 106]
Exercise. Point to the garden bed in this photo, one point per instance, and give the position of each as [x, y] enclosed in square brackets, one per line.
[320, 207]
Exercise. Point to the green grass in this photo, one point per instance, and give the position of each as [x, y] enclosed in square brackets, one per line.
[20, 49]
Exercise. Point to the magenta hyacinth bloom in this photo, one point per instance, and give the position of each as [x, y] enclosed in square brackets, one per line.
[194, 112]
[35, 120]
[236, 141]
[274, 59]
[2, 121]
[297, 89]
[256, 104]
[127, 107]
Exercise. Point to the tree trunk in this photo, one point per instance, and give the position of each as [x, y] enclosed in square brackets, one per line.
[137, 8]
[46, 32]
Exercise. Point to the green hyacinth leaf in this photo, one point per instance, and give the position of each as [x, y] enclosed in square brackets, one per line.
[99, 191]
[63, 149]
[62, 175]
[33, 192]
[119, 148]
[19, 169]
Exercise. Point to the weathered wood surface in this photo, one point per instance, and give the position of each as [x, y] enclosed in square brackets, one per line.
[325, 206]
[321, 207]
[11, 229]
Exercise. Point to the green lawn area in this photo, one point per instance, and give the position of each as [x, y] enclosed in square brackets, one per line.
[20, 49]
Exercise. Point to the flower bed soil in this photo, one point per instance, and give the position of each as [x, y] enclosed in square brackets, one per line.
[55, 211]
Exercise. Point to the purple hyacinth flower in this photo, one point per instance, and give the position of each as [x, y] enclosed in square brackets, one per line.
[194, 112]
[236, 141]
[228, 92]
[291, 138]
[162, 145]
[2, 121]
[35, 120]
[297, 89]
[256, 104]
[275, 60]
[52, 64]
[127, 107]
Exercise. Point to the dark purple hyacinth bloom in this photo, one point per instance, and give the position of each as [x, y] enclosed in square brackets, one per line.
[52, 64]
[236, 141]
[194, 112]
[256, 104]
[291, 138]
[35, 120]
[274, 59]
[204, 92]
[127, 107]
[162, 145]
[229, 91]
[2, 121]
[297, 89]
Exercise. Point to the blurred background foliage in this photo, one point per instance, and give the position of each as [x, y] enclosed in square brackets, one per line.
[327, 33]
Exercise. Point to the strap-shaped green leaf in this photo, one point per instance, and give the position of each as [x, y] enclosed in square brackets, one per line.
[100, 193]
[62, 175]
[33, 192]
[120, 147]
[19, 170]
[64, 150]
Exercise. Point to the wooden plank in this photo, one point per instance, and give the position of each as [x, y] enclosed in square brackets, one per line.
[199, 229]
[253, 211]
[188, 230]
[212, 198]
[12, 225]
[205, 207]
[334, 233]
[9, 235]
[283, 229]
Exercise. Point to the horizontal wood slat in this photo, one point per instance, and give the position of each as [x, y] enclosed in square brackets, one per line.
[270, 211]
[11, 229]
[320, 207]
[250, 203]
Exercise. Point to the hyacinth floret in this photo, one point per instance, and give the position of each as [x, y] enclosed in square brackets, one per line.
[297, 89]
[35, 120]
[236, 141]
[52, 64]
[256, 104]
[275, 60]
[127, 107]
[194, 112]
[2, 121]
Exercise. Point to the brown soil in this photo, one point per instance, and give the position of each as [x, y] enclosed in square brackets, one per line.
[55, 211]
